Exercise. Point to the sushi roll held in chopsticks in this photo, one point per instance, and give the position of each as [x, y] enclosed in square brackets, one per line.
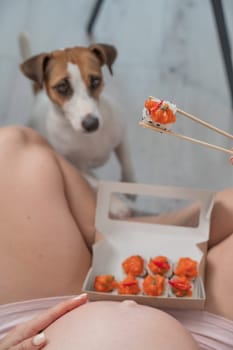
[159, 113]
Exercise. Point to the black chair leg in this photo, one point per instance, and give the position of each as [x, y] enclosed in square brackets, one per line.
[93, 16]
[224, 41]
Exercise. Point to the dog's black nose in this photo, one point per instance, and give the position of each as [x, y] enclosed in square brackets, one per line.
[90, 123]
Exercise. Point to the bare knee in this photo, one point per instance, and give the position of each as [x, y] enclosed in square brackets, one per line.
[224, 196]
[20, 147]
[26, 158]
[15, 137]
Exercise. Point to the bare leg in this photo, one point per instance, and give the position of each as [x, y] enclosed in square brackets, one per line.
[46, 220]
[81, 200]
[221, 217]
[219, 283]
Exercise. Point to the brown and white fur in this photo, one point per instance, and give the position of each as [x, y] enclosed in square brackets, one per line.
[78, 120]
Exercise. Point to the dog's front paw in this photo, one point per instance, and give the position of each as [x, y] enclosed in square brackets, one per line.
[119, 208]
[127, 175]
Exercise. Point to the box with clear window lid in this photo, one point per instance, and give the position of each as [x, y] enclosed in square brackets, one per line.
[157, 255]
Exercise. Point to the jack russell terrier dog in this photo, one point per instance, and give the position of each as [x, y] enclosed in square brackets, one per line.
[79, 122]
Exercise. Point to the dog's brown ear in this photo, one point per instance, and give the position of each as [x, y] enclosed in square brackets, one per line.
[34, 67]
[105, 53]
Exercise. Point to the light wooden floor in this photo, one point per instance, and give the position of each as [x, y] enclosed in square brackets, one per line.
[167, 48]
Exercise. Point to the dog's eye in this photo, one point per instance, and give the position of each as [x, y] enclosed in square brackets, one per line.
[94, 82]
[64, 88]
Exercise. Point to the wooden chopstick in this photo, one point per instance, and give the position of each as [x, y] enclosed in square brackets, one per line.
[187, 138]
[190, 116]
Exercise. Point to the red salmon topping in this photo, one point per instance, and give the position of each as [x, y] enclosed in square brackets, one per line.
[180, 284]
[161, 264]
[128, 286]
[160, 112]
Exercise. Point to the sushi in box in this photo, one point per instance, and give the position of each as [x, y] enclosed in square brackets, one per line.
[154, 259]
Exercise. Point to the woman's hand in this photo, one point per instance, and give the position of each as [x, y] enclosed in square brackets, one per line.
[29, 335]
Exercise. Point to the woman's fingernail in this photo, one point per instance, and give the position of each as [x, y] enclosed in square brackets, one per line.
[38, 339]
[81, 296]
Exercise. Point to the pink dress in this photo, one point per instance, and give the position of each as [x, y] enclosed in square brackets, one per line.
[211, 332]
[16, 313]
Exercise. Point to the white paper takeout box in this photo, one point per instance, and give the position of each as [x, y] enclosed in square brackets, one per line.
[123, 238]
